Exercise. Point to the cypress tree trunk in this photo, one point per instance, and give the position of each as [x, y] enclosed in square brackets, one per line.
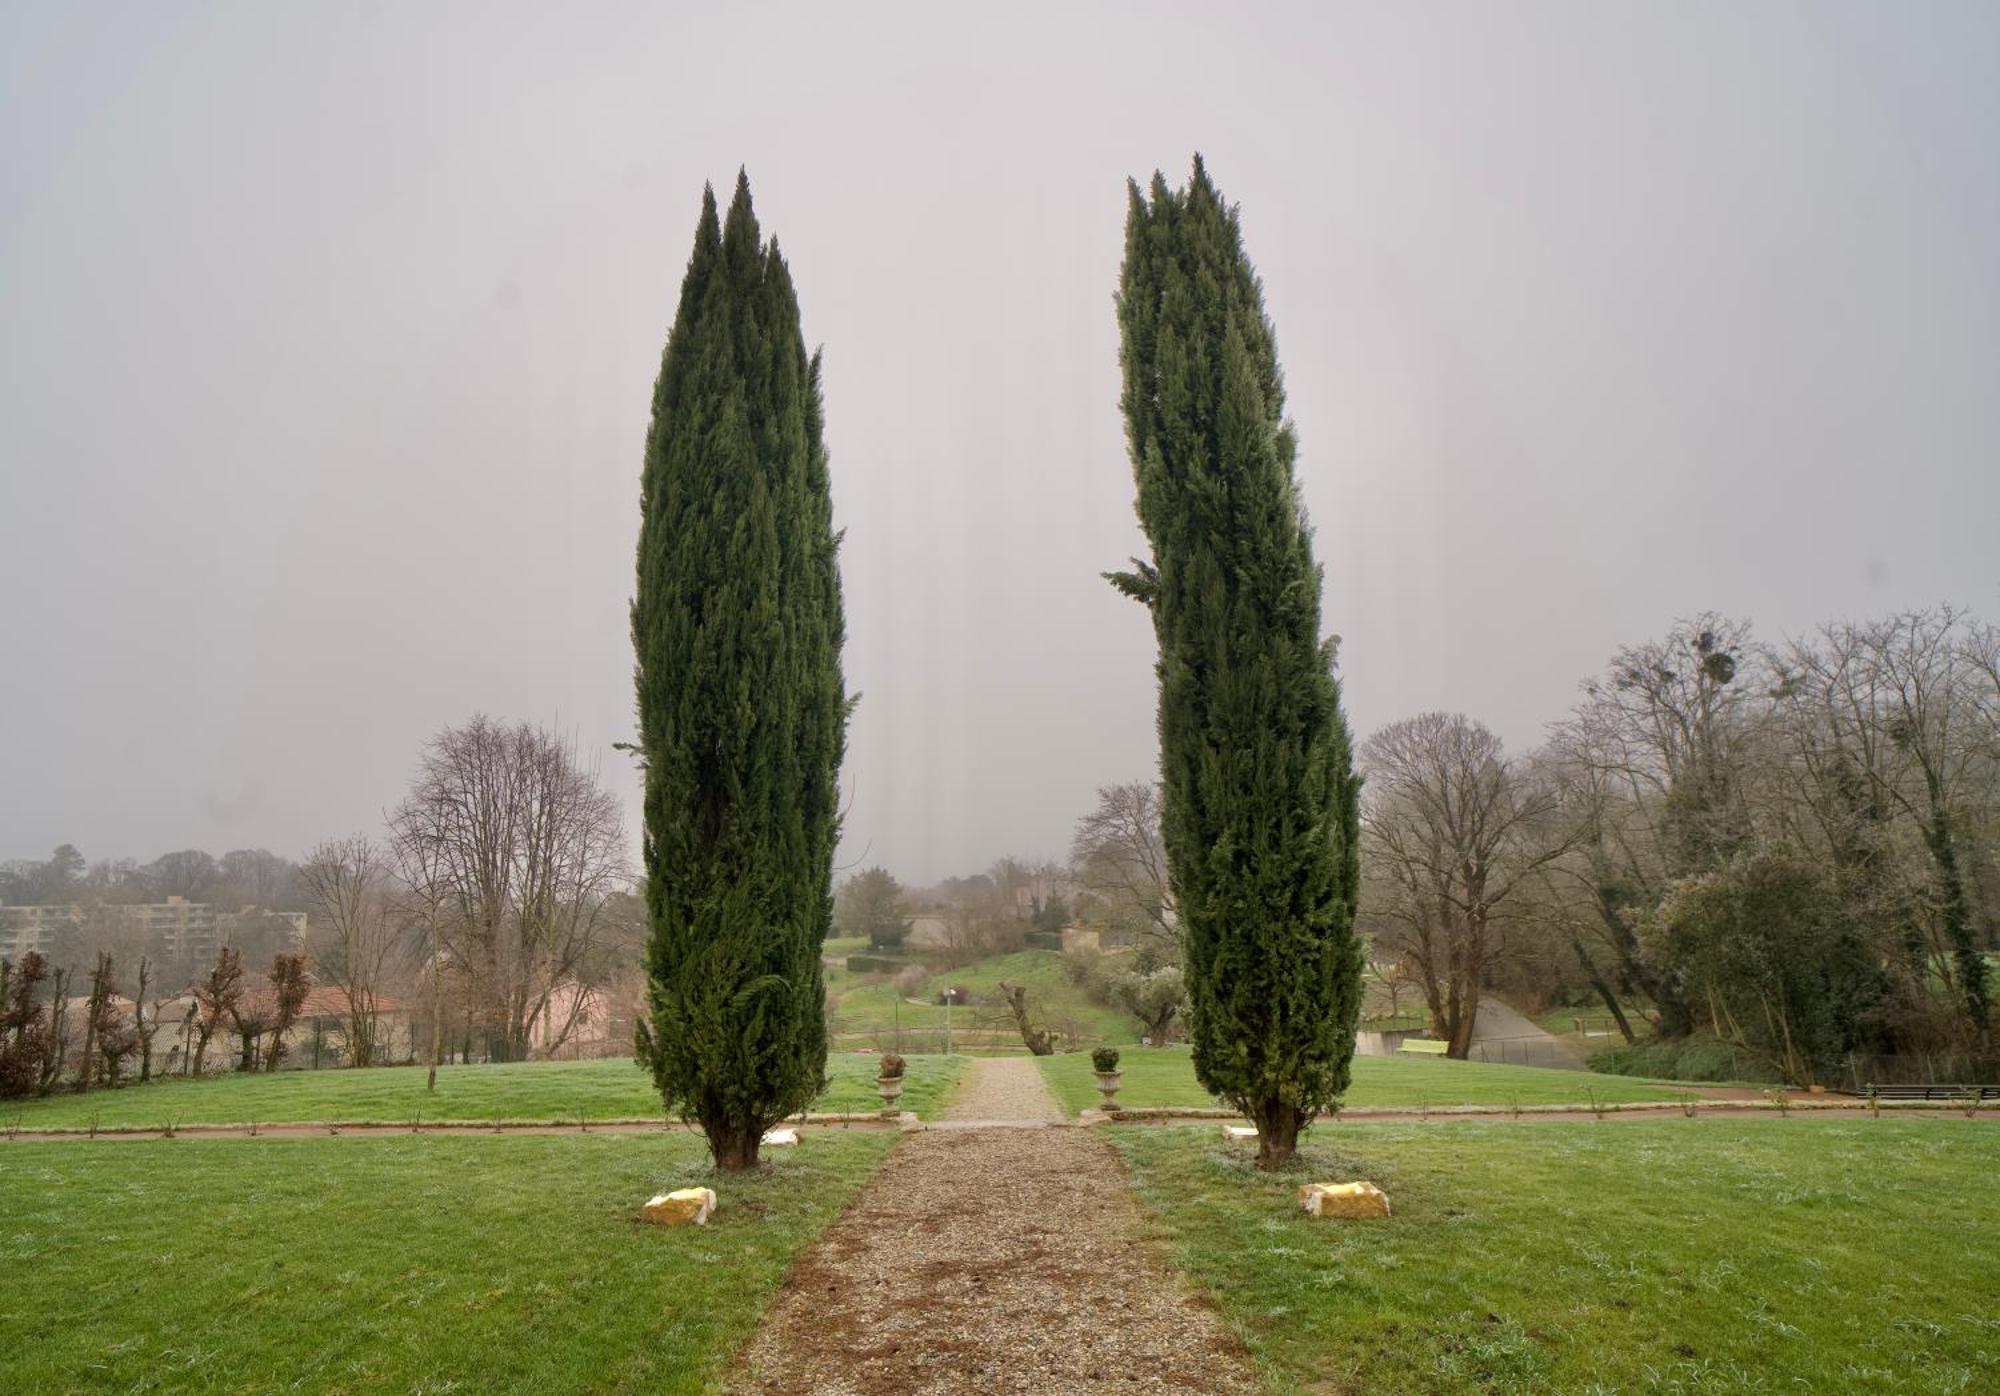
[742, 709]
[1260, 811]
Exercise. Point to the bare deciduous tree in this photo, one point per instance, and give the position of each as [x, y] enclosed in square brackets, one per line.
[419, 831]
[1654, 767]
[355, 935]
[1451, 831]
[1121, 863]
[1892, 723]
[528, 851]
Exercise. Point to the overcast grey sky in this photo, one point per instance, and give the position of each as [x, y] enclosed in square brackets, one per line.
[327, 335]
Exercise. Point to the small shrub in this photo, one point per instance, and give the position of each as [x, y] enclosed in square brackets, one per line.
[1080, 967]
[891, 1066]
[1104, 1059]
[910, 980]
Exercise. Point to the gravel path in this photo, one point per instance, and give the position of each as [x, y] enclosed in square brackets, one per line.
[985, 1261]
[1004, 1088]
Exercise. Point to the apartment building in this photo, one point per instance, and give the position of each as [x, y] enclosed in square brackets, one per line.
[172, 929]
[36, 928]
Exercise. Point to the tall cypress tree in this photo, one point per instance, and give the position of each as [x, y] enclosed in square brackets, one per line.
[1260, 815]
[743, 713]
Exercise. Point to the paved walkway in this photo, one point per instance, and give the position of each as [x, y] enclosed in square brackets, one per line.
[1510, 1036]
[983, 1260]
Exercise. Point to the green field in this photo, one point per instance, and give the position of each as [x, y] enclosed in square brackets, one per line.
[868, 1006]
[1164, 1076]
[517, 1092]
[1672, 1256]
[413, 1265]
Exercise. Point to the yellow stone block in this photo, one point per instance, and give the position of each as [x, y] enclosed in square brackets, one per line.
[685, 1207]
[1345, 1200]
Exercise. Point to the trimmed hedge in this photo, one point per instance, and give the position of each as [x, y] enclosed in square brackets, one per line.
[1043, 940]
[872, 964]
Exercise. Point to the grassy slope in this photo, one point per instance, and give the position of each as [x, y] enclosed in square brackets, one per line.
[1052, 999]
[526, 1091]
[1165, 1076]
[438, 1264]
[1673, 1256]
[869, 1004]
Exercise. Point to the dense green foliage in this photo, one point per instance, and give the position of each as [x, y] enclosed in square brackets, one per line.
[742, 709]
[559, 1093]
[1775, 954]
[1260, 799]
[1772, 845]
[871, 904]
[1849, 1256]
[409, 1265]
[1697, 1057]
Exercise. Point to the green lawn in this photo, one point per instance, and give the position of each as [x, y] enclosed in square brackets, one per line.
[411, 1265]
[556, 1092]
[1668, 1256]
[1157, 1076]
[870, 1006]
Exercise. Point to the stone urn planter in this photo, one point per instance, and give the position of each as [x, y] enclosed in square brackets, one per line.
[889, 1081]
[1104, 1062]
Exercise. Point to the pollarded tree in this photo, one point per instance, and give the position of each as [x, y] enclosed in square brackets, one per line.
[218, 997]
[1260, 811]
[743, 712]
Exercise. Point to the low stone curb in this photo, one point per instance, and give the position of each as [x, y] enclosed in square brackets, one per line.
[872, 1119]
[908, 1123]
[1166, 1114]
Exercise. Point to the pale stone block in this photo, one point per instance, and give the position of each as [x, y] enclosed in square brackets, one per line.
[1345, 1200]
[779, 1138]
[685, 1207]
[1236, 1133]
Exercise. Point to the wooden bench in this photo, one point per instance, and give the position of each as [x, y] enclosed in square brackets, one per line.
[1932, 1092]
[1424, 1046]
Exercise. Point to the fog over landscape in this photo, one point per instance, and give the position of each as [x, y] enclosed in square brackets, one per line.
[329, 339]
